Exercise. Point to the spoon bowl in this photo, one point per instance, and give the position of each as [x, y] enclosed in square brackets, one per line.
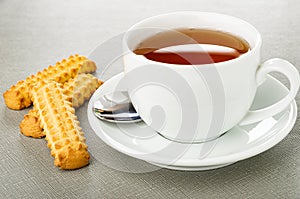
[116, 107]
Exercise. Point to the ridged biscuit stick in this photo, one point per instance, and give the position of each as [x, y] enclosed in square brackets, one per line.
[19, 95]
[77, 90]
[63, 134]
[81, 88]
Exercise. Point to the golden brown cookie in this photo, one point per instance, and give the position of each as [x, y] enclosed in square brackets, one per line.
[31, 126]
[63, 133]
[19, 95]
[81, 88]
[77, 89]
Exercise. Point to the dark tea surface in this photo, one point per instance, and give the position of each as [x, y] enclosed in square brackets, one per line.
[192, 46]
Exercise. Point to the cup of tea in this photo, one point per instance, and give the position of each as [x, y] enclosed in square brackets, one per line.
[192, 76]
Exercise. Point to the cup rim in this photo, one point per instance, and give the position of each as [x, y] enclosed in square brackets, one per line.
[257, 44]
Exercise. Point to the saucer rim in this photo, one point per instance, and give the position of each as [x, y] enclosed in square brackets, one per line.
[213, 161]
[192, 168]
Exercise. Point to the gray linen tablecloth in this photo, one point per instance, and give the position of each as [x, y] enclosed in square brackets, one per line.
[35, 34]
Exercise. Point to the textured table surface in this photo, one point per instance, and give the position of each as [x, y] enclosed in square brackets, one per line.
[34, 34]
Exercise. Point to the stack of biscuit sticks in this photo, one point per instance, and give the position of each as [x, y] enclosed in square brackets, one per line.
[54, 93]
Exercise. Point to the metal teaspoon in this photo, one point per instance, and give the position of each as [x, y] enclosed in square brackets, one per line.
[116, 107]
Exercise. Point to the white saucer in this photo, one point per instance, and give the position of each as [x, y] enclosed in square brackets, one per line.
[241, 142]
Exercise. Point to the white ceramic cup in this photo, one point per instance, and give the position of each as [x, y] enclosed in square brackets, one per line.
[198, 103]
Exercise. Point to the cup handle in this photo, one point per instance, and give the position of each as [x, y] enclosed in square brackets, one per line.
[287, 69]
